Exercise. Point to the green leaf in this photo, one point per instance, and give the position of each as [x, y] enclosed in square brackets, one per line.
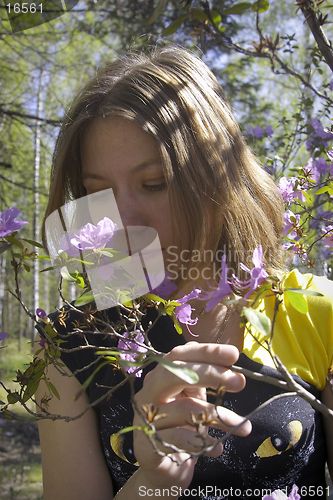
[85, 262]
[66, 274]
[171, 305]
[111, 359]
[238, 8]
[186, 374]
[260, 6]
[48, 269]
[44, 257]
[108, 352]
[173, 27]
[33, 243]
[309, 198]
[305, 292]
[198, 14]
[30, 389]
[130, 428]
[52, 389]
[91, 378]
[160, 7]
[296, 300]
[84, 299]
[127, 363]
[326, 189]
[13, 397]
[259, 320]
[79, 279]
[155, 298]
[14, 241]
[107, 253]
[216, 16]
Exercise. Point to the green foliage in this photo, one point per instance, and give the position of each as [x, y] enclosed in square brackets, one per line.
[85, 298]
[297, 300]
[259, 320]
[182, 372]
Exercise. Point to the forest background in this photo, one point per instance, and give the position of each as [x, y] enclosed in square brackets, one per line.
[274, 60]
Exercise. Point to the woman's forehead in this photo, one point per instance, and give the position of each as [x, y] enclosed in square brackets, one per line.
[117, 134]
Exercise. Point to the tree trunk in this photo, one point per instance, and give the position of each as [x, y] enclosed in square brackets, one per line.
[36, 207]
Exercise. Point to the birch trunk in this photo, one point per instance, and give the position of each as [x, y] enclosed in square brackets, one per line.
[36, 204]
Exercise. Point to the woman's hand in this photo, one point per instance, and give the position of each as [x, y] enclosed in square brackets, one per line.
[180, 403]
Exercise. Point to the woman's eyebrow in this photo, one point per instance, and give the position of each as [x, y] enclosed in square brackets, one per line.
[136, 168]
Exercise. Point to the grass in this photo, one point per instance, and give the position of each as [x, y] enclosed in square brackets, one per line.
[20, 461]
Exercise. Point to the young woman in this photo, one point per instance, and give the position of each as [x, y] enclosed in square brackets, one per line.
[157, 129]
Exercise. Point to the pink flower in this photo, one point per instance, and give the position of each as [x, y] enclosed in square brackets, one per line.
[291, 222]
[91, 236]
[257, 273]
[183, 312]
[8, 222]
[41, 313]
[221, 291]
[328, 238]
[289, 189]
[320, 131]
[3, 335]
[88, 237]
[130, 350]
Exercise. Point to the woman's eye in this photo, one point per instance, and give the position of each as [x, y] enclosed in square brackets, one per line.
[155, 187]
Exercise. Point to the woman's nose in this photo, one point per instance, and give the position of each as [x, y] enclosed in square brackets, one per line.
[131, 212]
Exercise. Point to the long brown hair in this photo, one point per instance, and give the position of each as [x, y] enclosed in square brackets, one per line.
[220, 196]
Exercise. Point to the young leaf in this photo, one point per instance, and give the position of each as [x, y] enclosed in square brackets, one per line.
[160, 7]
[259, 320]
[30, 389]
[15, 241]
[130, 428]
[108, 352]
[260, 6]
[305, 292]
[66, 275]
[91, 377]
[186, 374]
[52, 389]
[177, 326]
[326, 189]
[13, 397]
[173, 27]
[47, 269]
[238, 8]
[155, 298]
[198, 14]
[33, 243]
[84, 299]
[296, 300]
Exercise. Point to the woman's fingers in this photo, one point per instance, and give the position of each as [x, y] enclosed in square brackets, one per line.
[173, 440]
[209, 361]
[219, 354]
[161, 386]
[190, 411]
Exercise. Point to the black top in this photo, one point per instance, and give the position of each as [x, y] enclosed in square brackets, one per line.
[286, 446]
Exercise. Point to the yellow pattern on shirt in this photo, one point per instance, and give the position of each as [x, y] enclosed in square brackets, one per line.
[303, 342]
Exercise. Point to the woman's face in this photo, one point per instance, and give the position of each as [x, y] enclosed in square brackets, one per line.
[116, 153]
